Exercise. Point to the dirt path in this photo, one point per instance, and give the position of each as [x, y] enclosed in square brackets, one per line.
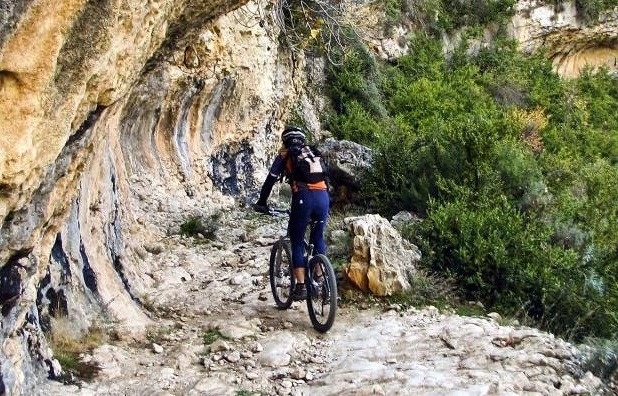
[218, 294]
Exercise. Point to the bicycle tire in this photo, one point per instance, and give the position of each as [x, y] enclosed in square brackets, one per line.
[322, 304]
[281, 274]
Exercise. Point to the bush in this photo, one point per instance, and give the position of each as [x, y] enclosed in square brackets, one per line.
[68, 347]
[196, 226]
[590, 10]
[472, 13]
[515, 170]
[601, 357]
[211, 336]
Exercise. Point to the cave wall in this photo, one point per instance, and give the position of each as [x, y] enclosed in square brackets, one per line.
[571, 42]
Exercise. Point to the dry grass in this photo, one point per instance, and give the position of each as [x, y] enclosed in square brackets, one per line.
[532, 123]
[69, 344]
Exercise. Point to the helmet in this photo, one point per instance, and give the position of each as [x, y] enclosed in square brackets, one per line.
[293, 135]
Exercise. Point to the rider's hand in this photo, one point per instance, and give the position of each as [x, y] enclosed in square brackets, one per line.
[261, 208]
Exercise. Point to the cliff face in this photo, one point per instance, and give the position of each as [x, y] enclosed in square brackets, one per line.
[104, 105]
[114, 111]
[570, 42]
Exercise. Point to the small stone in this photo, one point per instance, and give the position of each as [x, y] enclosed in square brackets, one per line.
[167, 372]
[232, 357]
[252, 375]
[256, 347]
[495, 316]
[298, 373]
[157, 348]
[288, 325]
[309, 376]
[56, 368]
[577, 390]
[287, 384]
[220, 345]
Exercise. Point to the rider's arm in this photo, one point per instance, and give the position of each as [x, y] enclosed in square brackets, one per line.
[276, 170]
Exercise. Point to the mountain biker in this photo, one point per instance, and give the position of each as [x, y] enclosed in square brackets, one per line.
[310, 201]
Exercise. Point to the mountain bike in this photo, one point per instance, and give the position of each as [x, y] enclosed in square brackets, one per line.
[319, 278]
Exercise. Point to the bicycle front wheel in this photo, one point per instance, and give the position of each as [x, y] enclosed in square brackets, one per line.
[281, 273]
[322, 294]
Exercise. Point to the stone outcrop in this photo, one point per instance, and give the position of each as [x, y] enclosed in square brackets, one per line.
[571, 39]
[382, 261]
[346, 163]
[571, 42]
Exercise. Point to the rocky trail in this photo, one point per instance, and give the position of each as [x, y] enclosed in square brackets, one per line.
[216, 331]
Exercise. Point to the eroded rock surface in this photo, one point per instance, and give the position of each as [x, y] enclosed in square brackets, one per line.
[571, 41]
[382, 261]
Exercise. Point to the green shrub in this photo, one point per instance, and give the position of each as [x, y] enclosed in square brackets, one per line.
[68, 347]
[427, 289]
[211, 336]
[196, 226]
[514, 170]
[590, 10]
[601, 357]
[474, 12]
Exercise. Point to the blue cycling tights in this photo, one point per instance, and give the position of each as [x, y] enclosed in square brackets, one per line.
[307, 205]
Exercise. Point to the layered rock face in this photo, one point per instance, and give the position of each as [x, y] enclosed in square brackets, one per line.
[104, 106]
[571, 42]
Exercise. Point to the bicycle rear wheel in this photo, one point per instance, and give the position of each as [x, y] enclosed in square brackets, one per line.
[322, 296]
[281, 273]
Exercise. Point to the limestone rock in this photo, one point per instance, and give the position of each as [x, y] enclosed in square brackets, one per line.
[571, 41]
[382, 261]
[346, 161]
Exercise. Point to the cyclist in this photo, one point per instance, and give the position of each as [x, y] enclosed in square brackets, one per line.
[310, 201]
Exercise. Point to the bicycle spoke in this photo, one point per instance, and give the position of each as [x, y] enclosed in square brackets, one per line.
[322, 303]
[281, 281]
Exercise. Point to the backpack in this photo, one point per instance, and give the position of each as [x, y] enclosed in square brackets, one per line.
[308, 166]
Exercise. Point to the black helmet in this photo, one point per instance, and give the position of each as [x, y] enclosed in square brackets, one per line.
[293, 135]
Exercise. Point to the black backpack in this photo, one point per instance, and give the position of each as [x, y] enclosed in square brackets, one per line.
[308, 166]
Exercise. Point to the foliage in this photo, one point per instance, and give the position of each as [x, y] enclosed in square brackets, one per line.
[590, 10]
[474, 12]
[427, 289]
[211, 336]
[206, 227]
[68, 346]
[514, 169]
[436, 16]
[601, 357]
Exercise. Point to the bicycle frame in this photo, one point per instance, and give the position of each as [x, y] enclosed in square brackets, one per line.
[308, 256]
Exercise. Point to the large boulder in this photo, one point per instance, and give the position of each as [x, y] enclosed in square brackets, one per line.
[382, 261]
[346, 162]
